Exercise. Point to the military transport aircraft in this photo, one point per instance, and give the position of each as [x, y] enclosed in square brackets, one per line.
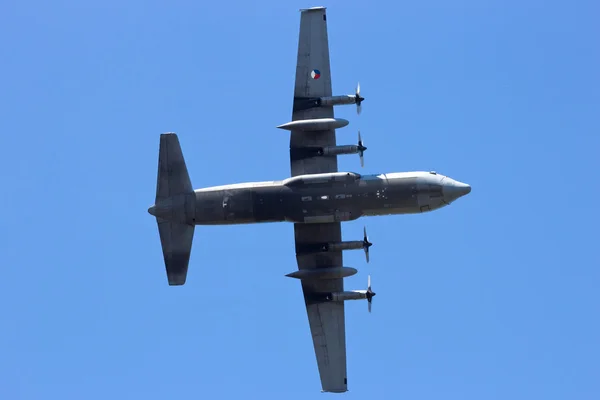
[316, 199]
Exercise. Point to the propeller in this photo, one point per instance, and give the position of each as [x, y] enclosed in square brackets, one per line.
[361, 150]
[370, 293]
[357, 99]
[366, 243]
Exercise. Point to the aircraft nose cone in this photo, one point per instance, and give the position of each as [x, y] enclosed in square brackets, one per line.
[452, 190]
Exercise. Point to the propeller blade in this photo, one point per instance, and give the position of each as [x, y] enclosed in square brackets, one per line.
[361, 150]
[370, 293]
[366, 245]
[358, 99]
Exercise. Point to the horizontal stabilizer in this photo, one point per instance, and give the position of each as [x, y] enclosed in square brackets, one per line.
[172, 188]
[173, 178]
[176, 241]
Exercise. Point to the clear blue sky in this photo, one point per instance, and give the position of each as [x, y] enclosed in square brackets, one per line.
[494, 297]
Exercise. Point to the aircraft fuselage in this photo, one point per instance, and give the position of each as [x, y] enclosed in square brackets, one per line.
[315, 198]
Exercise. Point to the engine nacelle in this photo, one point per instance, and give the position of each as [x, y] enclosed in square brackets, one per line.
[335, 150]
[316, 247]
[347, 245]
[299, 153]
[320, 297]
[336, 100]
[346, 295]
[305, 103]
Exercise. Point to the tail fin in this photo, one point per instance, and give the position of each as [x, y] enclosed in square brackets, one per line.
[175, 235]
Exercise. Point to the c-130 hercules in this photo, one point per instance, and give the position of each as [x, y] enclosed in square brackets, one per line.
[316, 199]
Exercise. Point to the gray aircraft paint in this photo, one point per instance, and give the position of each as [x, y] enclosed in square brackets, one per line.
[315, 198]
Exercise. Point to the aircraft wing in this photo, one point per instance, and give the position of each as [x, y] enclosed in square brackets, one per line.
[313, 79]
[326, 319]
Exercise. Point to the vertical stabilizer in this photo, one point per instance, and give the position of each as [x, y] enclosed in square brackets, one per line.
[173, 204]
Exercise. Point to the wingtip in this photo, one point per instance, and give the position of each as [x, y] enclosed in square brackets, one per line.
[313, 9]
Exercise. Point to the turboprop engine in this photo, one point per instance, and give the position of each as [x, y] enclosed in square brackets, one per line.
[352, 245]
[298, 153]
[305, 103]
[347, 99]
[353, 295]
[341, 246]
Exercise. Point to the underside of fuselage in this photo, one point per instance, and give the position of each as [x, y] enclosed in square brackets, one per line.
[331, 198]
[315, 199]
[304, 199]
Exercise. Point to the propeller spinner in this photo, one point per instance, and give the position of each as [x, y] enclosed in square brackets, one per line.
[358, 100]
[366, 243]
